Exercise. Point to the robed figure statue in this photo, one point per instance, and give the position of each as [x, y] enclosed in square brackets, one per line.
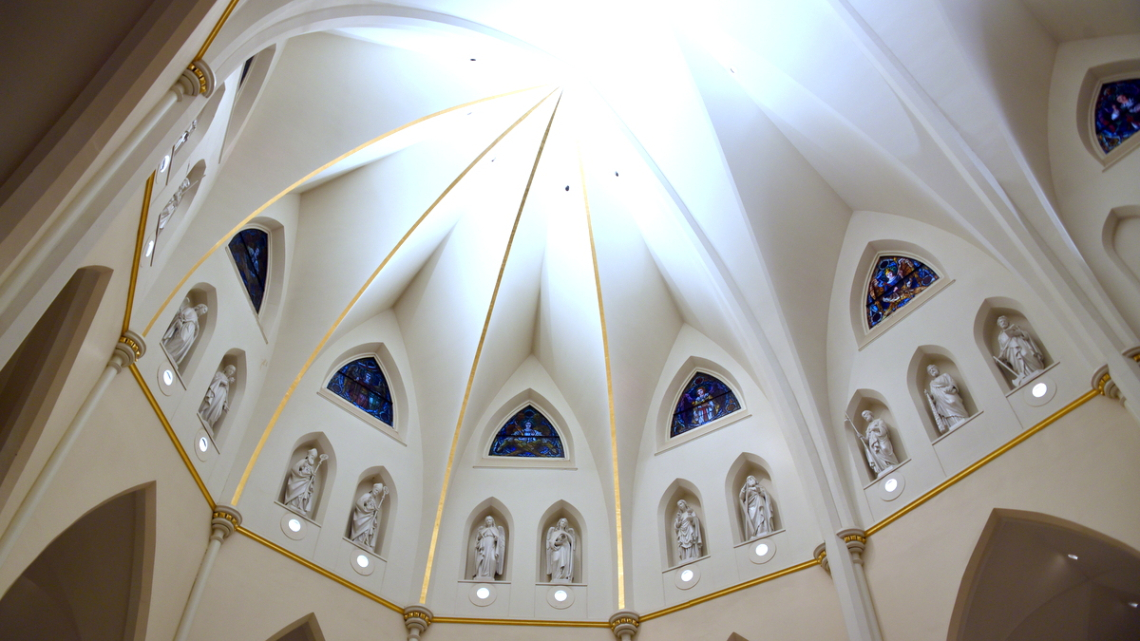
[757, 508]
[687, 527]
[217, 400]
[560, 543]
[490, 550]
[366, 517]
[877, 444]
[1017, 351]
[302, 482]
[183, 331]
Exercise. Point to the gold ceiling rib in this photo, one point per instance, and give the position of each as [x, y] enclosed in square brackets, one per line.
[360, 292]
[138, 251]
[609, 387]
[479, 352]
[217, 29]
[225, 239]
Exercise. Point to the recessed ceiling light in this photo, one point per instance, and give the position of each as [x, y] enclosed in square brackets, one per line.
[149, 248]
[167, 377]
[203, 444]
[482, 593]
[686, 575]
[761, 549]
[362, 560]
[1039, 390]
[561, 596]
[294, 525]
[891, 485]
[164, 163]
[1073, 556]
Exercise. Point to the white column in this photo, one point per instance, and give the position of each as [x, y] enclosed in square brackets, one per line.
[226, 519]
[128, 350]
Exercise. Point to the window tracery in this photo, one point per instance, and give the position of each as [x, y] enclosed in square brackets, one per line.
[705, 399]
[895, 281]
[362, 383]
[528, 434]
[250, 251]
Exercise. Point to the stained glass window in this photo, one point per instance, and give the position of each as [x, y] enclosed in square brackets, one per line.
[362, 383]
[250, 249]
[704, 400]
[1117, 114]
[894, 283]
[528, 434]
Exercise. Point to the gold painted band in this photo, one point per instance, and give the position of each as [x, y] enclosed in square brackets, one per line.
[138, 251]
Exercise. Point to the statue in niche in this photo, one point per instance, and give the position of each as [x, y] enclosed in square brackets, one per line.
[757, 509]
[366, 517]
[877, 446]
[1017, 352]
[945, 401]
[560, 542]
[183, 331]
[217, 400]
[490, 550]
[687, 526]
[172, 204]
[184, 137]
[302, 482]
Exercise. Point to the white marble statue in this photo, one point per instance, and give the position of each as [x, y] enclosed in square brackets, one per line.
[490, 550]
[183, 331]
[560, 542]
[945, 400]
[185, 136]
[217, 400]
[302, 482]
[757, 509]
[687, 526]
[366, 517]
[1017, 352]
[877, 445]
[172, 204]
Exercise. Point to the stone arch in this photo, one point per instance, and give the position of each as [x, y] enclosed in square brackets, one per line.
[370, 476]
[679, 489]
[397, 387]
[326, 473]
[918, 379]
[872, 253]
[867, 399]
[512, 406]
[668, 402]
[558, 510]
[1020, 582]
[93, 582]
[494, 508]
[745, 465]
[986, 335]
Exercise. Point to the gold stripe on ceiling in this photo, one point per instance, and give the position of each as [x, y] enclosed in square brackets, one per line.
[138, 251]
[217, 29]
[225, 239]
[359, 293]
[478, 353]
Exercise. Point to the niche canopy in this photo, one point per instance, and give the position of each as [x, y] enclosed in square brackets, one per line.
[894, 282]
[528, 434]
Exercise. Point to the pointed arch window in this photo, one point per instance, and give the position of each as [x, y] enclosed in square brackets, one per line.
[1116, 116]
[528, 434]
[895, 281]
[362, 383]
[250, 250]
[705, 399]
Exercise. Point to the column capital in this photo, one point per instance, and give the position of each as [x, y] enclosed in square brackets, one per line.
[197, 79]
[624, 624]
[225, 521]
[128, 350]
[820, 556]
[856, 541]
[417, 618]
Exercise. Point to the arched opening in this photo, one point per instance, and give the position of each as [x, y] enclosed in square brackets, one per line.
[190, 329]
[220, 402]
[872, 462]
[1034, 576]
[253, 76]
[393, 387]
[550, 543]
[249, 249]
[748, 506]
[491, 508]
[940, 393]
[380, 520]
[1121, 238]
[308, 477]
[682, 516]
[92, 583]
[527, 433]
[33, 377]
[675, 394]
[893, 279]
[1002, 353]
[173, 211]
[304, 629]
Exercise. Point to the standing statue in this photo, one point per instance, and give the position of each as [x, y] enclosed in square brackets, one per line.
[366, 517]
[217, 400]
[302, 482]
[560, 542]
[688, 529]
[1017, 352]
[172, 204]
[877, 445]
[757, 509]
[490, 550]
[945, 401]
[183, 331]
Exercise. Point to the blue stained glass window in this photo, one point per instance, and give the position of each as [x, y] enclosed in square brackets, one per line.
[894, 283]
[705, 399]
[362, 383]
[528, 434]
[1117, 113]
[250, 249]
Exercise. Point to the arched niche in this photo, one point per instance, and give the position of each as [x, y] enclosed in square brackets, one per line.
[1021, 584]
[1121, 239]
[186, 143]
[680, 490]
[221, 428]
[272, 296]
[668, 403]
[325, 475]
[868, 263]
[387, 511]
[171, 213]
[919, 380]
[33, 378]
[745, 465]
[304, 629]
[986, 333]
[93, 582]
[514, 405]
[495, 509]
[1090, 90]
[396, 388]
[248, 91]
[870, 400]
[562, 510]
[199, 294]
